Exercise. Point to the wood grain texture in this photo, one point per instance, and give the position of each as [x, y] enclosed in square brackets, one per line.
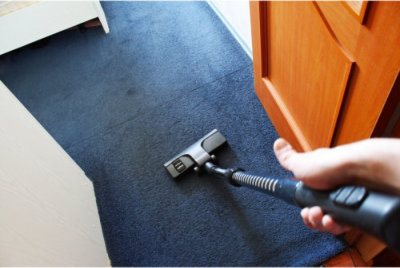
[47, 204]
[344, 25]
[357, 8]
[305, 79]
[259, 40]
[378, 62]
[348, 258]
[307, 69]
[369, 247]
[389, 119]
[373, 46]
[277, 113]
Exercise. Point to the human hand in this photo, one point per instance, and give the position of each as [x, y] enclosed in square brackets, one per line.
[373, 163]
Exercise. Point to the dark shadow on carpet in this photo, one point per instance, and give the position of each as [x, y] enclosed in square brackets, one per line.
[122, 104]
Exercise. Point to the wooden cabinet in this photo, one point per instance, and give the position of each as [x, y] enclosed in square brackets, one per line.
[326, 72]
[48, 211]
[24, 22]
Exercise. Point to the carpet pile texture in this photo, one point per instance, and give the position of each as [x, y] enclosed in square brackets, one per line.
[124, 103]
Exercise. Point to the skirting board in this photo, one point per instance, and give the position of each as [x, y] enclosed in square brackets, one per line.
[232, 30]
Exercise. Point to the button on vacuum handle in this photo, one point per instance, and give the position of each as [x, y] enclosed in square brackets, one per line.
[375, 213]
[349, 196]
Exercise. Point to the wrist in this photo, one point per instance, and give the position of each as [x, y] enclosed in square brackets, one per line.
[376, 164]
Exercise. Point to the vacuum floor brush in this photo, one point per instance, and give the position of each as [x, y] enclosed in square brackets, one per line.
[373, 212]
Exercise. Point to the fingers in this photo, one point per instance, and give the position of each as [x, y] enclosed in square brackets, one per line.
[314, 218]
[318, 169]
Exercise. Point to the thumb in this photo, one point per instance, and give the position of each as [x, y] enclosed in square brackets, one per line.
[320, 169]
[285, 153]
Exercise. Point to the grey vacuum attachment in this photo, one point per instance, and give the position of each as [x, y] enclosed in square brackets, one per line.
[196, 155]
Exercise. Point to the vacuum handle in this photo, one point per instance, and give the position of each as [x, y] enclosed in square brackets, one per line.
[375, 213]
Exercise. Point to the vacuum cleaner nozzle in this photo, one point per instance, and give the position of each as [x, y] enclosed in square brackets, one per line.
[350, 204]
[196, 155]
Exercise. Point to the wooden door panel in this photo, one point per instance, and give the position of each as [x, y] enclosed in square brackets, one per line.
[312, 59]
[378, 64]
[357, 8]
[343, 22]
[305, 71]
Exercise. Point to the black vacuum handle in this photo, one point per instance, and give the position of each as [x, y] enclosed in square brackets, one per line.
[375, 213]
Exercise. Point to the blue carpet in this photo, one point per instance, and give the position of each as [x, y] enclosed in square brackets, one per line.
[122, 104]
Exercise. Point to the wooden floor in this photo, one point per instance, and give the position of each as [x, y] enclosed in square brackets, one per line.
[351, 258]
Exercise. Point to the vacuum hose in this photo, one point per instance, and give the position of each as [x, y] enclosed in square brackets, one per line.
[375, 213]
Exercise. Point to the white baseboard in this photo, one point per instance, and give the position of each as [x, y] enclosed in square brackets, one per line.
[232, 30]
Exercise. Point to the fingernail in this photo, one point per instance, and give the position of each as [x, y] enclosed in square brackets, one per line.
[304, 212]
[280, 144]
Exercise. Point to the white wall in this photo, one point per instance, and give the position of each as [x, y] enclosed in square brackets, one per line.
[236, 16]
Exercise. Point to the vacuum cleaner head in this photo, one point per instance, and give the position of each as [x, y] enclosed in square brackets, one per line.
[195, 155]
